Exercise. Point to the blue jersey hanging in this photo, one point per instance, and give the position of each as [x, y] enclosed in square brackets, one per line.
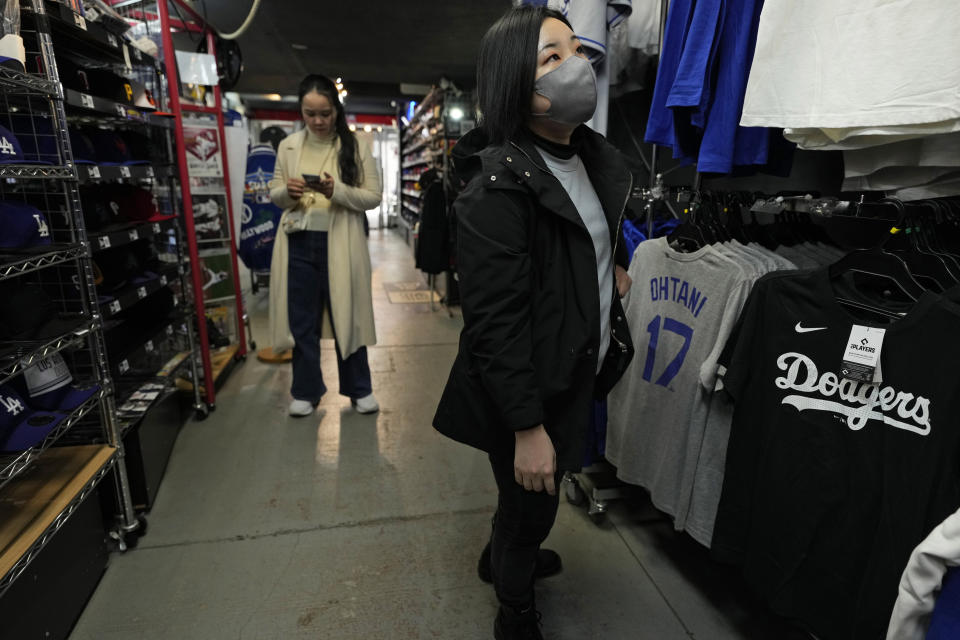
[261, 217]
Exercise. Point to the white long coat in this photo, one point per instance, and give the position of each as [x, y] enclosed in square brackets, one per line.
[351, 296]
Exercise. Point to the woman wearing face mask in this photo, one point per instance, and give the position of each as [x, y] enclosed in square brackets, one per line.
[320, 277]
[541, 264]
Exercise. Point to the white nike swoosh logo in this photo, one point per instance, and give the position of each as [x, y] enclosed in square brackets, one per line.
[801, 329]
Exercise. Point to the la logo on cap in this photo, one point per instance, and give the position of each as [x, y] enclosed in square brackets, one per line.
[42, 227]
[6, 147]
[11, 404]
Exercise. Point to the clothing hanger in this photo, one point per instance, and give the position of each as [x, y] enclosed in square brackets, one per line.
[879, 263]
[927, 268]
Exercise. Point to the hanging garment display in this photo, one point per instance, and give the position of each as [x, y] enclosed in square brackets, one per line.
[830, 481]
[700, 85]
[898, 78]
[260, 216]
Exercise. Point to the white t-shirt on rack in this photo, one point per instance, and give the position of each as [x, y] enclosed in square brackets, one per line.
[844, 75]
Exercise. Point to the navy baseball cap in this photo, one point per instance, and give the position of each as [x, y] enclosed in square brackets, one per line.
[112, 149]
[37, 139]
[21, 426]
[24, 226]
[82, 146]
[64, 399]
[10, 150]
[29, 313]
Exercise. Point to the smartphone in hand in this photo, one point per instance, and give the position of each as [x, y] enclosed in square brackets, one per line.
[313, 181]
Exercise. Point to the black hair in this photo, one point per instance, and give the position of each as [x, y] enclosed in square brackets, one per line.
[507, 68]
[347, 158]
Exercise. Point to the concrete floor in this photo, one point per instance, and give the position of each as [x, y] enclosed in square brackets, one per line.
[342, 526]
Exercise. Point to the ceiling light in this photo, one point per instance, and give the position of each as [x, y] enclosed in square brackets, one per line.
[379, 129]
[299, 47]
[367, 128]
[456, 113]
[275, 97]
[339, 80]
[353, 127]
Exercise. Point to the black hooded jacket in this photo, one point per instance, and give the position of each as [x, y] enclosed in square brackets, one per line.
[528, 281]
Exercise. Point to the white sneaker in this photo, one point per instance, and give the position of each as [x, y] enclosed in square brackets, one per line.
[367, 404]
[301, 408]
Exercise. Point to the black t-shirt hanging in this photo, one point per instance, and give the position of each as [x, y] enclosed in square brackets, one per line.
[829, 483]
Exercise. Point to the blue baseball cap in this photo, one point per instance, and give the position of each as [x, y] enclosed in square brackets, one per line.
[10, 150]
[64, 399]
[21, 426]
[24, 226]
[37, 139]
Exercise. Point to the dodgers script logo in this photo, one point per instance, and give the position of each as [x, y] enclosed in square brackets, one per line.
[862, 402]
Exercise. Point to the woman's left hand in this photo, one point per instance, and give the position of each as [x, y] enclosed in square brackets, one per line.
[624, 281]
[326, 185]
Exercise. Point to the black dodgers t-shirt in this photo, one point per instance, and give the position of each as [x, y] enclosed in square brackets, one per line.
[830, 483]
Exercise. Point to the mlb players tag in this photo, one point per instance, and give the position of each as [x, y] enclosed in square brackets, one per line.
[861, 357]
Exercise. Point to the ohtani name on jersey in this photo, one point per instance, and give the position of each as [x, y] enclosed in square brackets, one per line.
[862, 402]
[665, 288]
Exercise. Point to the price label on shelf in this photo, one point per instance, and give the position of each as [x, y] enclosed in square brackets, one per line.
[93, 172]
[121, 110]
[124, 366]
[134, 235]
[149, 346]
[124, 172]
[104, 242]
[149, 172]
[141, 292]
[163, 281]
[86, 100]
[115, 307]
[79, 21]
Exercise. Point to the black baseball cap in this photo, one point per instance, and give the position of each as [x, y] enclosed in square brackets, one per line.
[29, 313]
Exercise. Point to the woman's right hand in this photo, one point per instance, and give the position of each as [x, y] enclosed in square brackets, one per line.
[295, 187]
[535, 460]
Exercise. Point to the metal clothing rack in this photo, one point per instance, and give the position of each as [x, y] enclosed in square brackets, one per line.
[188, 20]
[66, 475]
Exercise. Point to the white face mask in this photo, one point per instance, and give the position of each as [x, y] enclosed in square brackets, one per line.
[571, 89]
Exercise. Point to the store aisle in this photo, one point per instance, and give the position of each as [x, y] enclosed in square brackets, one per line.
[351, 527]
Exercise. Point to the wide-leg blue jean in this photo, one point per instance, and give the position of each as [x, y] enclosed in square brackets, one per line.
[308, 294]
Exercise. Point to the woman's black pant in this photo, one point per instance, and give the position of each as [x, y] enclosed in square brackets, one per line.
[523, 521]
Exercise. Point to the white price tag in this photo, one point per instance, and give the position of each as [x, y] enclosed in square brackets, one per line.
[93, 172]
[134, 235]
[861, 357]
[163, 281]
[104, 242]
[121, 110]
[79, 21]
[156, 227]
[141, 292]
[86, 100]
[149, 346]
[115, 307]
[124, 366]
[124, 172]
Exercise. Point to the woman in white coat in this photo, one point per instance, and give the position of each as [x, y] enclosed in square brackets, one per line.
[320, 277]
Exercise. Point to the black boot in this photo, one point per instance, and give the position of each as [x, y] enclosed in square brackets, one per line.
[516, 624]
[548, 564]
